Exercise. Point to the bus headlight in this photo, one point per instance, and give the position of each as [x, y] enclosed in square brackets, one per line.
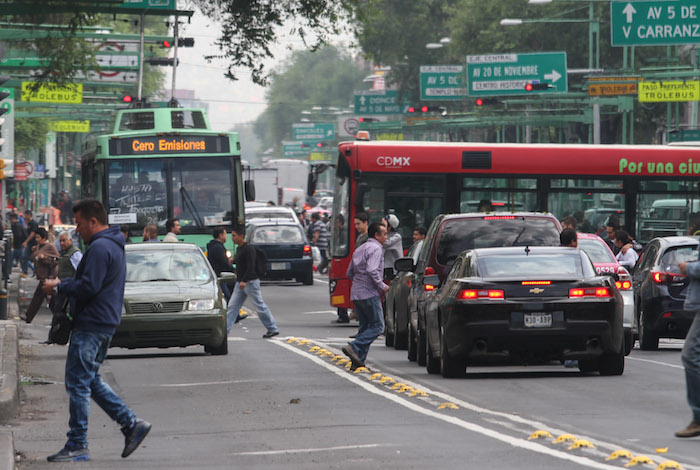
[201, 304]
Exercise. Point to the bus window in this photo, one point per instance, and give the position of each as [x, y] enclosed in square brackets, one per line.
[498, 194]
[140, 120]
[593, 198]
[187, 120]
[668, 208]
[137, 187]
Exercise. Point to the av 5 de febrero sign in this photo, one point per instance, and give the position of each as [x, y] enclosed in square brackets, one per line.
[53, 93]
[654, 92]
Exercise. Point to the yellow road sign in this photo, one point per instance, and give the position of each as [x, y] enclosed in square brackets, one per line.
[655, 92]
[70, 126]
[610, 86]
[53, 93]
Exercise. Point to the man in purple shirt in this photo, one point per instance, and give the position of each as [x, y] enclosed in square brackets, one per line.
[366, 273]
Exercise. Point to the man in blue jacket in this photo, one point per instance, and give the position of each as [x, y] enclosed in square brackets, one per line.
[691, 349]
[96, 295]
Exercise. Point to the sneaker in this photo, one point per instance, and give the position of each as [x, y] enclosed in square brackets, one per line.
[134, 436]
[692, 430]
[270, 334]
[69, 454]
[241, 316]
[23, 275]
[350, 352]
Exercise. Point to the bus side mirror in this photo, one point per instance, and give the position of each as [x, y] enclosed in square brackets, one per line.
[362, 189]
[311, 183]
[249, 187]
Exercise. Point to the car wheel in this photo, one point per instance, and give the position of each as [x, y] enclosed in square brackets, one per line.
[629, 342]
[221, 350]
[388, 335]
[421, 346]
[612, 364]
[432, 364]
[449, 366]
[648, 341]
[587, 365]
[307, 280]
[412, 345]
[400, 340]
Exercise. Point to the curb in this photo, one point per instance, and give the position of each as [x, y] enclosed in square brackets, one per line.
[7, 450]
[9, 377]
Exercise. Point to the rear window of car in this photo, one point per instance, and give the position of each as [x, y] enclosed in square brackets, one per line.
[676, 255]
[596, 251]
[277, 235]
[532, 265]
[166, 265]
[466, 234]
[269, 215]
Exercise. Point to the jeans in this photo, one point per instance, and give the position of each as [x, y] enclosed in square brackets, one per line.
[226, 290]
[691, 361]
[252, 289]
[86, 352]
[18, 255]
[323, 265]
[25, 259]
[371, 317]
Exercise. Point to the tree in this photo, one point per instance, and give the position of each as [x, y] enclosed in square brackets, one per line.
[323, 78]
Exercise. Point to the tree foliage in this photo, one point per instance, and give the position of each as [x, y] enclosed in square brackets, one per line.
[325, 78]
[30, 133]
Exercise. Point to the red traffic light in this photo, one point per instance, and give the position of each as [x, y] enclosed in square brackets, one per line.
[411, 109]
[536, 86]
[424, 109]
[479, 102]
[528, 87]
[166, 43]
[127, 99]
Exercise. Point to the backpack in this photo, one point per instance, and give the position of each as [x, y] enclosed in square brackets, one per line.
[260, 262]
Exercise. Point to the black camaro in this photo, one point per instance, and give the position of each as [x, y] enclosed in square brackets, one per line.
[524, 305]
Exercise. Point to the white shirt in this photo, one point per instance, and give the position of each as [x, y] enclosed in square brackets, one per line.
[628, 260]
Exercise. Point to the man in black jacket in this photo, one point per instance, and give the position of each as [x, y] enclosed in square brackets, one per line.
[247, 284]
[216, 252]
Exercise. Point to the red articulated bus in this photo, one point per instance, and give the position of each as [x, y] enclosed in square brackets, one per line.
[652, 189]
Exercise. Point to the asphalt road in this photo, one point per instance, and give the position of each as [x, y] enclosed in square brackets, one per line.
[278, 404]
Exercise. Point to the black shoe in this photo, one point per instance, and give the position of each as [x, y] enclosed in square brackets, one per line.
[241, 316]
[135, 436]
[339, 320]
[692, 430]
[353, 336]
[270, 334]
[70, 455]
[350, 352]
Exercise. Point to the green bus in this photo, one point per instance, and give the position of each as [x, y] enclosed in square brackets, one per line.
[160, 163]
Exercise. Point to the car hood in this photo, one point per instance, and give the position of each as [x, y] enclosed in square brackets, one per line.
[175, 290]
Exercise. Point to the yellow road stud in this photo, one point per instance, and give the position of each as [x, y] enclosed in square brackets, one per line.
[321, 351]
[348, 365]
[398, 385]
[565, 438]
[448, 405]
[343, 361]
[420, 393]
[639, 459]
[386, 379]
[359, 370]
[580, 443]
[669, 464]
[315, 348]
[304, 341]
[662, 450]
[406, 388]
[375, 376]
[292, 340]
[337, 358]
[539, 434]
[620, 454]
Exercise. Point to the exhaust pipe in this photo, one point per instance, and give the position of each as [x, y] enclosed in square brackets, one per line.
[593, 342]
[480, 345]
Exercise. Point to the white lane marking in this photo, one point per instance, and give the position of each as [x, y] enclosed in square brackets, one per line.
[513, 441]
[199, 384]
[317, 312]
[675, 366]
[320, 280]
[237, 338]
[303, 451]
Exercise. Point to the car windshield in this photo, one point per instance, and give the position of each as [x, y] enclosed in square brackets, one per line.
[531, 266]
[466, 234]
[676, 255]
[596, 250]
[272, 214]
[278, 234]
[166, 265]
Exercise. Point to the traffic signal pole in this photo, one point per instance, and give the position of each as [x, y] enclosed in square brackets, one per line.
[177, 39]
[141, 55]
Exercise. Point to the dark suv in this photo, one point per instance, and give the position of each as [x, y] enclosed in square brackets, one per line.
[451, 234]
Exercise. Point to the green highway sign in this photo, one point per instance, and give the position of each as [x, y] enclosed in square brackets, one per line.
[379, 102]
[314, 131]
[683, 135]
[148, 4]
[442, 83]
[507, 74]
[296, 149]
[654, 23]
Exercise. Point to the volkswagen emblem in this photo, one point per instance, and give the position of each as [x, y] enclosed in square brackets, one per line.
[157, 307]
[536, 290]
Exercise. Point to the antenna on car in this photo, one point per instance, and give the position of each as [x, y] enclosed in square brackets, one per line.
[527, 250]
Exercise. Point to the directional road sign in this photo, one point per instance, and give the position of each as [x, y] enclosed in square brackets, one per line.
[653, 23]
[442, 83]
[507, 74]
[314, 131]
[379, 102]
[612, 86]
[294, 149]
[658, 92]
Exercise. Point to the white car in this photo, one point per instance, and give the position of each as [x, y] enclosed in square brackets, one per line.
[253, 214]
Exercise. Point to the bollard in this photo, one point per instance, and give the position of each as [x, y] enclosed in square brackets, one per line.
[3, 303]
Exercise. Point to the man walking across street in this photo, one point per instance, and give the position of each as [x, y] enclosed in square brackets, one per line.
[45, 257]
[19, 234]
[69, 258]
[216, 253]
[30, 241]
[248, 284]
[96, 298]
[320, 238]
[366, 271]
[173, 228]
[691, 349]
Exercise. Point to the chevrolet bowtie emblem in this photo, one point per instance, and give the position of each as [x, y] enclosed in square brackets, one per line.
[536, 290]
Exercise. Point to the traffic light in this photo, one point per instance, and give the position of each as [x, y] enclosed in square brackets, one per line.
[536, 86]
[486, 101]
[427, 109]
[7, 168]
[185, 42]
[127, 98]
[166, 61]
[4, 107]
[367, 119]
[321, 144]
[167, 44]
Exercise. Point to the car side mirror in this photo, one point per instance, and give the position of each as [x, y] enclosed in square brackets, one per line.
[431, 280]
[404, 264]
[226, 276]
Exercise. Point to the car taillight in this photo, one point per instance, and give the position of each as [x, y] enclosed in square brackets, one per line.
[600, 292]
[500, 217]
[429, 271]
[662, 277]
[307, 249]
[468, 294]
[428, 287]
[623, 285]
[536, 283]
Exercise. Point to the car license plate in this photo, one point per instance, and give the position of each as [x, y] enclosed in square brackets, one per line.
[538, 320]
[278, 266]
